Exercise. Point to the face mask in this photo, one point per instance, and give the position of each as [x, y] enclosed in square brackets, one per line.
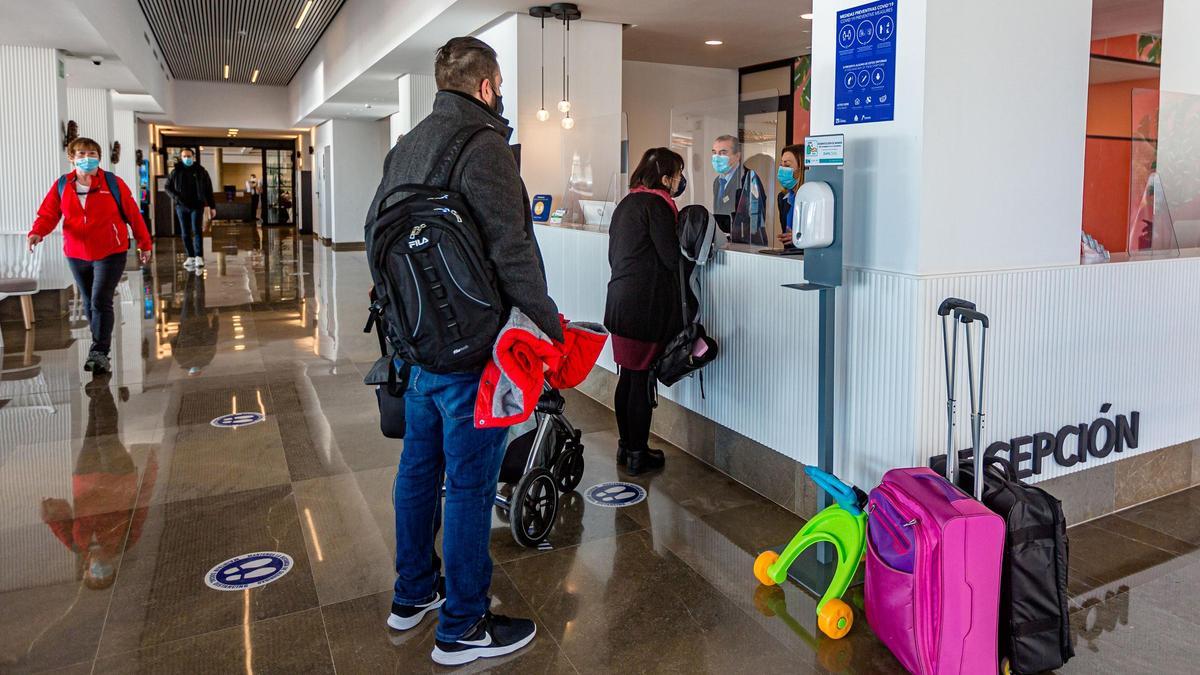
[721, 164]
[87, 164]
[187, 161]
[682, 186]
[787, 177]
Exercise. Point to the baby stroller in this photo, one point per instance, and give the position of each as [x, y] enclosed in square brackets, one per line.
[539, 464]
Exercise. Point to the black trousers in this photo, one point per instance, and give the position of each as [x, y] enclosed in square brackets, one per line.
[97, 283]
[633, 409]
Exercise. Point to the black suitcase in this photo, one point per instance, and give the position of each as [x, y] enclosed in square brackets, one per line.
[1035, 626]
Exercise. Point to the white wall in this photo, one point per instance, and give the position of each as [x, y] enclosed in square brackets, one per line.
[125, 30]
[32, 108]
[361, 34]
[982, 168]
[125, 132]
[356, 167]
[881, 216]
[224, 105]
[323, 197]
[589, 155]
[1002, 164]
[92, 110]
[650, 91]
[416, 94]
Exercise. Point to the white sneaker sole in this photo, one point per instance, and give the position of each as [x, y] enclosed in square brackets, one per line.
[405, 623]
[459, 658]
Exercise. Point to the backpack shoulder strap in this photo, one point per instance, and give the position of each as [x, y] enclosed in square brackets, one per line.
[61, 185]
[114, 186]
[440, 175]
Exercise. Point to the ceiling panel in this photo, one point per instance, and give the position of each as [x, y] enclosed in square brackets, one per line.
[199, 37]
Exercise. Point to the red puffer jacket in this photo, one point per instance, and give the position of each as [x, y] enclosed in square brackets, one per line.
[524, 358]
[94, 231]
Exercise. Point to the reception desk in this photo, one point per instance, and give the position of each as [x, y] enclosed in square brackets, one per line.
[1069, 346]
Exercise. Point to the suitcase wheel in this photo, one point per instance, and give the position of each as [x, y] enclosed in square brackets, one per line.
[761, 563]
[1005, 666]
[835, 618]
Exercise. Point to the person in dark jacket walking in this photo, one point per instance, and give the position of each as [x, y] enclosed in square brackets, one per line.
[191, 188]
[642, 310]
[440, 435]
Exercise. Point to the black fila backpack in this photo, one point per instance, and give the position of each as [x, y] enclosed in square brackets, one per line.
[436, 291]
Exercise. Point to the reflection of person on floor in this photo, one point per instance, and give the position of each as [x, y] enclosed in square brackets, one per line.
[109, 498]
[195, 345]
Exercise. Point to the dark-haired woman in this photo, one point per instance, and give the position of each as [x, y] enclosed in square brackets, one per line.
[643, 311]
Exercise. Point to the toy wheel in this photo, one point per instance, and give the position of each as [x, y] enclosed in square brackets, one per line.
[568, 469]
[761, 563]
[1005, 666]
[533, 507]
[835, 618]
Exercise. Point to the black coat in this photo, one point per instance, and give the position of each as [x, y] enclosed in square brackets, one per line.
[643, 250]
[190, 186]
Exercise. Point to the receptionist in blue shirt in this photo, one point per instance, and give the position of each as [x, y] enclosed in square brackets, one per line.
[790, 175]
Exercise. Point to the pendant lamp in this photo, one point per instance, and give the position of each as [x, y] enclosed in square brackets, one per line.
[540, 12]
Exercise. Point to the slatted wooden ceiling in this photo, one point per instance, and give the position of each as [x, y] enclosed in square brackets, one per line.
[198, 37]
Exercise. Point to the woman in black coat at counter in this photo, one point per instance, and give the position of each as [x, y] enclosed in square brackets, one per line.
[642, 310]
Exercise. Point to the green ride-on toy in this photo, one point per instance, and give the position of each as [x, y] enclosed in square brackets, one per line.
[844, 525]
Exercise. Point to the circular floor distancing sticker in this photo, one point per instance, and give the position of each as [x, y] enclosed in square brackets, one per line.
[235, 420]
[248, 571]
[615, 494]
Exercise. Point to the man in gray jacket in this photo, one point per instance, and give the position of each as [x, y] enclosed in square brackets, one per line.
[440, 436]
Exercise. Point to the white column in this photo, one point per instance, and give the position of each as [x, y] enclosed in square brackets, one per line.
[982, 168]
[33, 110]
[125, 133]
[416, 102]
[356, 168]
[92, 110]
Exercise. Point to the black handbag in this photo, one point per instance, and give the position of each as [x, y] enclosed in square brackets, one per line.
[389, 376]
[689, 351]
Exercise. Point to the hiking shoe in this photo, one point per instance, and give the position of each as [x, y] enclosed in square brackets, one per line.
[404, 617]
[100, 364]
[493, 635]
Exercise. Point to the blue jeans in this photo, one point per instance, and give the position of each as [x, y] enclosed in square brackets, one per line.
[97, 283]
[191, 228]
[441, 439]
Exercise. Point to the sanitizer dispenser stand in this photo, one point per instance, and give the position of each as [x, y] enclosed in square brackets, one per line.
[824, 160]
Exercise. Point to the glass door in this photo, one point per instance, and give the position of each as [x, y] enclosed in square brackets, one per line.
[279, 187]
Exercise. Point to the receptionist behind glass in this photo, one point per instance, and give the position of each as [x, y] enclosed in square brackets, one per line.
[737, 194]
[790, 175]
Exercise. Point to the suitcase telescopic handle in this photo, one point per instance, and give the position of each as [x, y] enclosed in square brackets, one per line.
[969, 317]
[950, 357]
[950, 304]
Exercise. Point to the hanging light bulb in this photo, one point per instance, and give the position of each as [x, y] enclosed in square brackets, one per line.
[564, 106]
[541, 12]
[543, 115]
[567, 122]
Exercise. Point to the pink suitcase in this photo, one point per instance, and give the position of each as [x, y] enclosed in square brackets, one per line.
[934, 556]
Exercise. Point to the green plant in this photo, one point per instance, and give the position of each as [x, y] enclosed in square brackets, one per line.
[802, 79]
[1149, 48]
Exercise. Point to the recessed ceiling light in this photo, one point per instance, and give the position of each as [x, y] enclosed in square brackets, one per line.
[303, 13]
[254, 77]
[807, 15]
[227, 71]
[713, 43]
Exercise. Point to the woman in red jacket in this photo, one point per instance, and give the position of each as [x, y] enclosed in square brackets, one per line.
[94, 207]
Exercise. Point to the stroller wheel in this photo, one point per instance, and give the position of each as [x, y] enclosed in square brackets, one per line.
[568, 469]
[533, 507]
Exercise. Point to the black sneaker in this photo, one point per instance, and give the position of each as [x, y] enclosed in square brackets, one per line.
[494, 635]
[404, 617]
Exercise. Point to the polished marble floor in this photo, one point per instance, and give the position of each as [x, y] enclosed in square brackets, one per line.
[117, 495]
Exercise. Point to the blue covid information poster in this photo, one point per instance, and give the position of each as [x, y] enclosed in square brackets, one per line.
[866, 64]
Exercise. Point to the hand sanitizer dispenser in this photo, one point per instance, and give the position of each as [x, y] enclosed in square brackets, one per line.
[812, 216]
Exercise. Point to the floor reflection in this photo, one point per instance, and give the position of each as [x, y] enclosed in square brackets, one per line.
[117, 494]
